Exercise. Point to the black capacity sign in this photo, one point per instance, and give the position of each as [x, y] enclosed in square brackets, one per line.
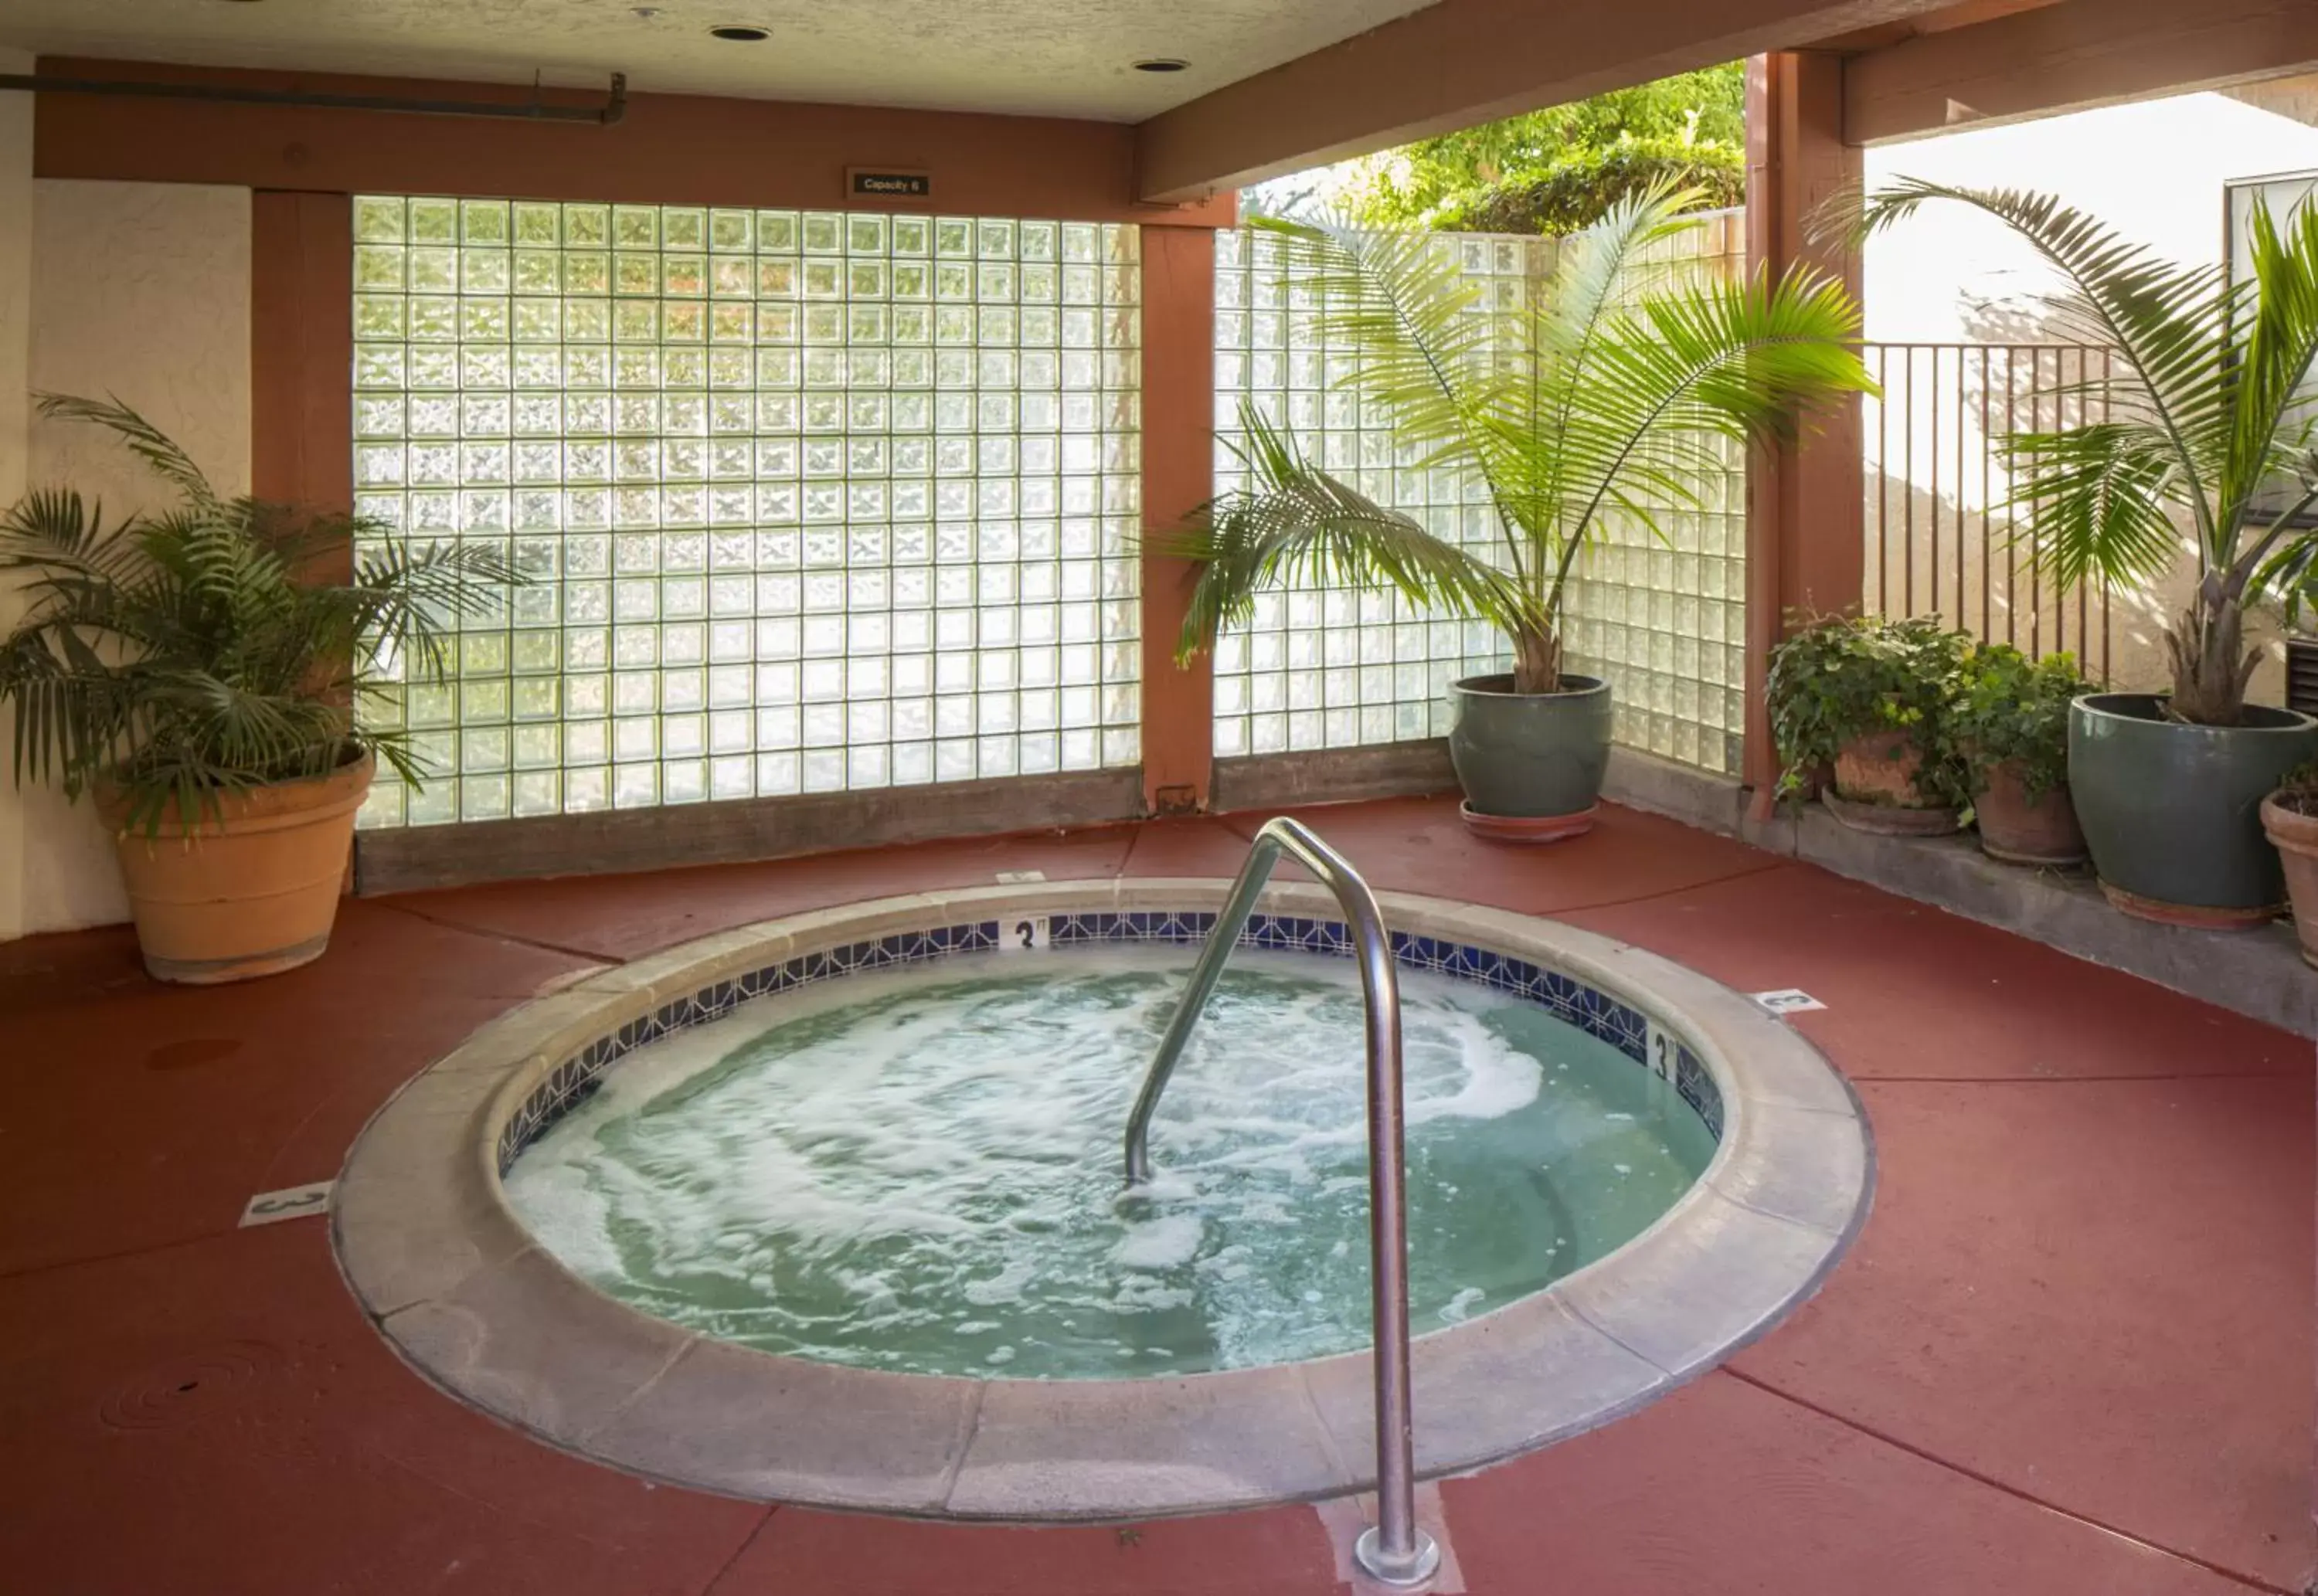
[889, 185]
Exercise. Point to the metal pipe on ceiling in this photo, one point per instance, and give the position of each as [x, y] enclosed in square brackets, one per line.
[615, 106]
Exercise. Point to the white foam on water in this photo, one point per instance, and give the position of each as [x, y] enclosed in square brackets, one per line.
[1164, 1243]
[869, 1170]
[1456, 1309]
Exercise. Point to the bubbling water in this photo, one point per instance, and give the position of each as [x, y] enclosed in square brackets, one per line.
[918, 1170]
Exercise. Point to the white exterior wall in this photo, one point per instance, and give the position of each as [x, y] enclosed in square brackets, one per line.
[2154, 170]
[141, 291]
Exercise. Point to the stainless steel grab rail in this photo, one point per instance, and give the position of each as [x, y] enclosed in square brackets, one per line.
[1394, 1550]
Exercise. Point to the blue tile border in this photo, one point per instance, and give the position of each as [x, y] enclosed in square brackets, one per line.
[1595, 1012]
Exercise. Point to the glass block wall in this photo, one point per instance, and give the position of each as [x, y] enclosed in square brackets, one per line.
[1664, 619]
[1328, 668]
[804, 502]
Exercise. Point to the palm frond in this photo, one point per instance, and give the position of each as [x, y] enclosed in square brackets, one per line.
[2271, 418]
[1423, 349]
[205, 648]
[1667, 384]
[2094, 501]
[1596, 270]
[1297, 524]
[147, 442]
[1618, 390]
[2163, 316]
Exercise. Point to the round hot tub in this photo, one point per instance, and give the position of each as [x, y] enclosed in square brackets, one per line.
[829, 1210]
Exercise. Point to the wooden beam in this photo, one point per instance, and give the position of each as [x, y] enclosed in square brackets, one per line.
[669, 149]
[1179, 474]
[2070, 57]
[1805, 553]
[302, 346]
[1458, 63]
[1967, 13]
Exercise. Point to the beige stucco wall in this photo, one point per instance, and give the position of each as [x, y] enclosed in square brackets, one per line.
[2156, 170]
[15, 350]
[139, 290]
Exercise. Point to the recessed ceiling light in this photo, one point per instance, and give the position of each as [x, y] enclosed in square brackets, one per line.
[1161, 64]
[739, 32]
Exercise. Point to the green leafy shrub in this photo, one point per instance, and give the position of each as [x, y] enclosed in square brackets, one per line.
[2299, 790]
[1843, 678]
[183, 654]
[2007, 708]
[1581, 186]
[1427, 182]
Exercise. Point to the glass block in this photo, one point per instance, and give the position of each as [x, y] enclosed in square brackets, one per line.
[1284, 681]
[790, 491]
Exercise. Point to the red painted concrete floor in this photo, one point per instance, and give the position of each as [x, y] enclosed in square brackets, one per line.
[2071, 1352]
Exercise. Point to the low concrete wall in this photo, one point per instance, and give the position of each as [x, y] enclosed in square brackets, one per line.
[2257, 973]
[413, 859]
[1334, 775]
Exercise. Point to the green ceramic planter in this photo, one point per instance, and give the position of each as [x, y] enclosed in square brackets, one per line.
[1522, 755]
[2172, 813]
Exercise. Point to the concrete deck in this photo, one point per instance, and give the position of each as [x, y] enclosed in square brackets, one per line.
[2072, 1351]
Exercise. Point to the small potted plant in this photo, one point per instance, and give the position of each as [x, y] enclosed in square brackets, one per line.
[190, 671]
[2008, 718]
[2290, 817]
[1867, 698]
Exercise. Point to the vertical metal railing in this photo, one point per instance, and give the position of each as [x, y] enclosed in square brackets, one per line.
[1394, 1550]
[1944, 535]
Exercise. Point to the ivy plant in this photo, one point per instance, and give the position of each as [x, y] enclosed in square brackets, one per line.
[2008, 709]
[1841, 677]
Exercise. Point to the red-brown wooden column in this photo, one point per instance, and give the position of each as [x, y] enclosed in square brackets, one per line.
[1179, 408]
[1804, 516]
[302, 342]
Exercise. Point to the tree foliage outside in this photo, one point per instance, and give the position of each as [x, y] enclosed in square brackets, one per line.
[1562, 169]
[1578, 190]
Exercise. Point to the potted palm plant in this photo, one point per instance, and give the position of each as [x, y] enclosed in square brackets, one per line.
[2008, 716]
[187, 671]
[1610, 394]
[2208, 413]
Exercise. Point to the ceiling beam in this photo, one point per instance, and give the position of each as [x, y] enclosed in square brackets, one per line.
[1458, 63]
[1962, 13]
[2070, 57]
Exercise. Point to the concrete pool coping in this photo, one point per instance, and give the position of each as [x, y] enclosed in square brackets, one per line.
[464, 1294]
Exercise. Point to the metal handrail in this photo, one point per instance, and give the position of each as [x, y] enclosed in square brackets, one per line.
[1394, 1550]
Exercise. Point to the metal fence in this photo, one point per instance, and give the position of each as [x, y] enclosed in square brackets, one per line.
[1944, 535]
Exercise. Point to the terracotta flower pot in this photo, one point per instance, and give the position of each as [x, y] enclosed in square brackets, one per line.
[1882, 767]
[2024, 831]
[1876, 790]
[253, 890]
[2296, 836]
